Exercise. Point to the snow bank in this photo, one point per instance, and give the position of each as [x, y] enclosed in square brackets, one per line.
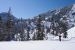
[71, 32]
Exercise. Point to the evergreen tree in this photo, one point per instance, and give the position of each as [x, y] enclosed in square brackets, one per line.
[39, 29]
[63, 28]
[1, 30]
[28, 29]
[22, 30]
[9, 26]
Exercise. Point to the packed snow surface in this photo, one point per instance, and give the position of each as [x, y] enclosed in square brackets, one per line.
[38, 45]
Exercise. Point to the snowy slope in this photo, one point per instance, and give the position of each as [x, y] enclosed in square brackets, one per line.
[71, 32]
[73, 8]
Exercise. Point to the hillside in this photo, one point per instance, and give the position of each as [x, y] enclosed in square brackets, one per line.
[44, 26]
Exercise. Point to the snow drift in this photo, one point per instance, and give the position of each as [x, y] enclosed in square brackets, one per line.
[71, 32]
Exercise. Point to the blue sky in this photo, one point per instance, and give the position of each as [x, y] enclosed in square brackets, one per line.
[31, 8]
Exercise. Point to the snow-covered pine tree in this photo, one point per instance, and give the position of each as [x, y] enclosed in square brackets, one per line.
[21, 30]
[28, 29]
[39, 29]
[1, 30]
[64, 26]
[9, 26]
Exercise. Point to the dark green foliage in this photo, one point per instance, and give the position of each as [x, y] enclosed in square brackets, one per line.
[1, 29]
[9, 28]
[39, 28]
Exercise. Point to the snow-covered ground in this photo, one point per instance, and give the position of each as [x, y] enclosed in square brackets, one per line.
[42, 45]
[71, 32]
[38, 45]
